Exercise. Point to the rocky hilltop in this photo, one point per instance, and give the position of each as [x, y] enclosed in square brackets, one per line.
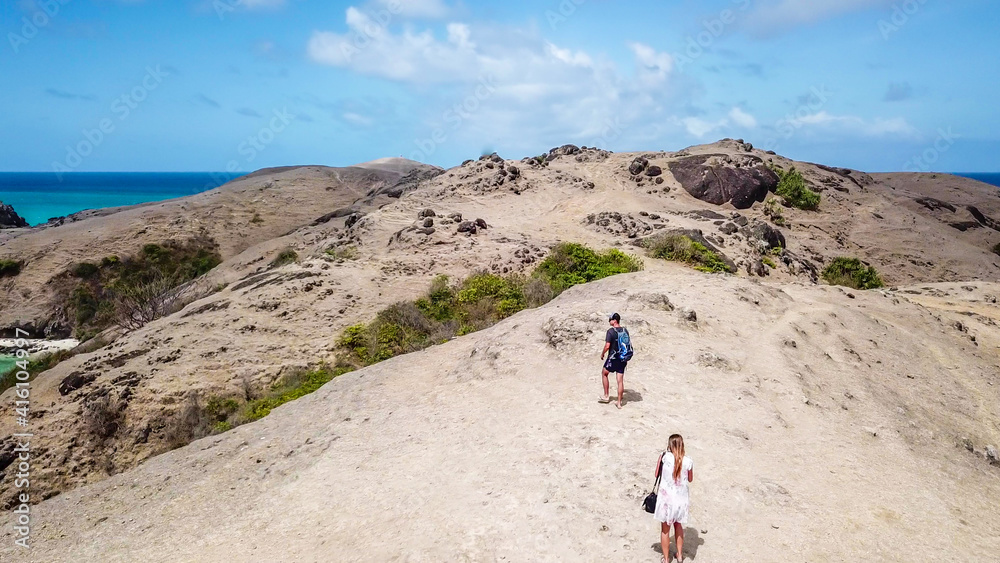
[876, 387]
[9, 219]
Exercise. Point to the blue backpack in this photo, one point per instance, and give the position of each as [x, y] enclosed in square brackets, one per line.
[624, 345]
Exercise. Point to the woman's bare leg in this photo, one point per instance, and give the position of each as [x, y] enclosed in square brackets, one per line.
[679, 536]
[665, 540]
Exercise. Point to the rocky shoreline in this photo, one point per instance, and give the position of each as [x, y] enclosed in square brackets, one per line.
[9, 219]
[9, 346]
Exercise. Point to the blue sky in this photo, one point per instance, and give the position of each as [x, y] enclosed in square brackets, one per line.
[183, 85]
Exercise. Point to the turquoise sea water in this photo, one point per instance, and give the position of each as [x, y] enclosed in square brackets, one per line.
[6, 362]
[40, 196]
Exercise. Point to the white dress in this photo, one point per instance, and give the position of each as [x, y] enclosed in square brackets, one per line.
[673, 500]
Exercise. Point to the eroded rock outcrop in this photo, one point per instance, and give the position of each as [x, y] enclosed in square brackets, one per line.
[719, 178]
[9, 219]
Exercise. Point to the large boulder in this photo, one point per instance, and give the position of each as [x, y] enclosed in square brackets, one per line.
[9, 219]
[719, 178]
[767, 236]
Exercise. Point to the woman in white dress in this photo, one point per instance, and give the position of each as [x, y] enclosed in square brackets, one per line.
[673, 500]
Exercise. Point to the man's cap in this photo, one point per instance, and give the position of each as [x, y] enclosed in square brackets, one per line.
[615, 317]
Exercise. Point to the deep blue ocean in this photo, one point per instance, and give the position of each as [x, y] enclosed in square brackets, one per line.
[993, 178]
[40, 196]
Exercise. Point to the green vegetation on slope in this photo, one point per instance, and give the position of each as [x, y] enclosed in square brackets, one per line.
[851, 272]
[286, 256]
[221, 414]
[477, 302]
[792, 188]
[9, 268]
[134, 290]
[680, 248]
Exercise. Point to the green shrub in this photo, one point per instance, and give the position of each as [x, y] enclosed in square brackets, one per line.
[343, 253]
[851, 272]
[569, 264]
[286, 256]
[439, 304]
[772, 209]
[479, 301]
[768, 262]
[85, 270]
[221, 409]
[792, 188]
[288, 389]
[96, 294]
[504, 295]
[9, 268]
[680, 248]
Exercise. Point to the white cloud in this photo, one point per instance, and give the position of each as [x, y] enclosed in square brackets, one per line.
[653, 66]
[775, 16]
[742, 118]
[539, 92]
[857, 125]
[700, 128]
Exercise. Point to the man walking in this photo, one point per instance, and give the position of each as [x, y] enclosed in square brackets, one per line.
[618, 349]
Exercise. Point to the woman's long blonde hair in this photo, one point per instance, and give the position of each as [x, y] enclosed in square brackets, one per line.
[676, 447]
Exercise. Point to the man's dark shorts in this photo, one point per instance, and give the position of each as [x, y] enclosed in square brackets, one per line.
[615, 365]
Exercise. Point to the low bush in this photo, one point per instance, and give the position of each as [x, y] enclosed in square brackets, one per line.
[680, 248]
[768, 262]
[772, 209]
[103, 416]
[792, 188]
[85, 270]
[133, 290]
[343, 252]
[570, 264]
[287, 389]
[9, 268]
[851, 272]
[286, 256]
[480, 301]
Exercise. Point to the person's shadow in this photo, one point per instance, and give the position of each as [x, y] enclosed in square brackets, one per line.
[631, 396]
[692, 541]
